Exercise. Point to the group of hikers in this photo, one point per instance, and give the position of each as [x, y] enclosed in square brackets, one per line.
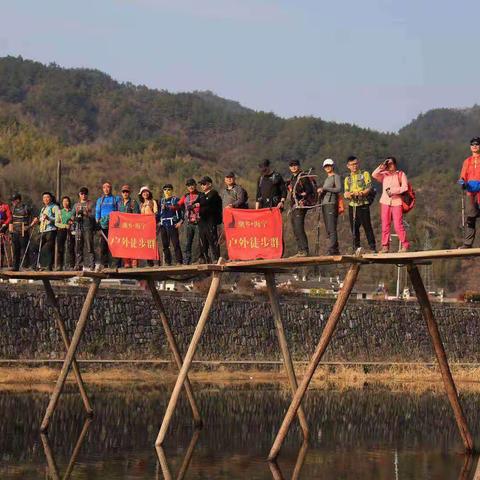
[67, 231]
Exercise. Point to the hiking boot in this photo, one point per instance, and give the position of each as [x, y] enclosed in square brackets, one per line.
[384, 249]
[464, 247]
[403, 249]
[301, 253]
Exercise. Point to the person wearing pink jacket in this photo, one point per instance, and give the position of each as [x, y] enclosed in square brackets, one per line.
[394, 183]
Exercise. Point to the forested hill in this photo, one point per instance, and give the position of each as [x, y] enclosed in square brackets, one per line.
[101, 129]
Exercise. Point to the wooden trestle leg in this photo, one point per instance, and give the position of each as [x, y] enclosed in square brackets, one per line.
[325, 338]
[70, 356]
[52, 300]
[187, 362]
[282, 340]
[175, 351]
[448, 382]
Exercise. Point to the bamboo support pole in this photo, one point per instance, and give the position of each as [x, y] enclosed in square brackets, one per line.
[187, 362]
[175, 351]
[79, 329]
[437, 343]
[52, 299]
[282, 340]
[325, 338]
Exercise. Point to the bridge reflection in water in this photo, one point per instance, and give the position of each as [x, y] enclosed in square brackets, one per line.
[355, 433]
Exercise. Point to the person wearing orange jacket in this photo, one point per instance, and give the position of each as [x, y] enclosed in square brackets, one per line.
[470, 181]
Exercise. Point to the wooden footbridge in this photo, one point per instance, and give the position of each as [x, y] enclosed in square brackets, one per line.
[268, 268]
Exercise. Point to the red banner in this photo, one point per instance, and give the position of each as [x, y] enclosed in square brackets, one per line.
[253, 234]
[131, 235]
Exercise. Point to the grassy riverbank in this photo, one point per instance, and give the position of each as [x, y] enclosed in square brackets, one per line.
[395, 376]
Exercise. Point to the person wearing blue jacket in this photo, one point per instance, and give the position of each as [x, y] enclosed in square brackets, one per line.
[106, 204]
[170, 220]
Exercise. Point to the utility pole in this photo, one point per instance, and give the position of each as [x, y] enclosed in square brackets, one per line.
[58, 193]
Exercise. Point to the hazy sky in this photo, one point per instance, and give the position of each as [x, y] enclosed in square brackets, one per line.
[376, 63]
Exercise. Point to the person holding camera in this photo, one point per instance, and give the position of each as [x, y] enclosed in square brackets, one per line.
[357, 191]
[394, 183]
[83, 229]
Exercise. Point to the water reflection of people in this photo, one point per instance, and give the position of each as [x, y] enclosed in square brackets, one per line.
[162, 458]
[52, 465]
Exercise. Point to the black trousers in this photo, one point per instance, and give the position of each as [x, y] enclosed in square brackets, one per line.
[84, 241]
[47, 249]
[20, 243]
[362, 219]
[330, 218]
[208, 241]
[65, 248]
[472, 211]
[169, 235]
[104, 250]
[297, 218]
[191, 232]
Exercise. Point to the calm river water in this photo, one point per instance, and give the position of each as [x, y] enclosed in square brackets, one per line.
[371, 433]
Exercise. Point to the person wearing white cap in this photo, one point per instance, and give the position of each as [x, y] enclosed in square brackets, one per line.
[148, 206]
[329, 194]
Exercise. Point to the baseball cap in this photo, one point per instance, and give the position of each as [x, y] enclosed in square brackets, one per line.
[328, 161]
[125, 188]
[264, 163]
[190, 182]
[230, 175]
[83, 190]
[291, 163]
[168, 185]
[475, 141]
[205, 180]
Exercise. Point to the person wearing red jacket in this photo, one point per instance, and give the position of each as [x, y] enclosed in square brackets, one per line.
[5, 216]
[191, 215]
[5, 241]
[470, 181]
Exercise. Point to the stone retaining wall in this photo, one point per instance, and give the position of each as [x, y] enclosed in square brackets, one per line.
[125, 324]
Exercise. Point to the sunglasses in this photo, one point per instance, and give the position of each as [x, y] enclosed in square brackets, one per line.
[475, 144]
[125, 191]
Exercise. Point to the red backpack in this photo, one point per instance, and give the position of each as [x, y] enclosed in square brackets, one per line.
[408, 197]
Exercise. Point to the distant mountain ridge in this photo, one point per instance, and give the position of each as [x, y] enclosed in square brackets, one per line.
[102, 128]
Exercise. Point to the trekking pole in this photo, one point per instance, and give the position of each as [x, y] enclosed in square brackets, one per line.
[27, 247]
[39, 250]
[354, 221]
[463, 210]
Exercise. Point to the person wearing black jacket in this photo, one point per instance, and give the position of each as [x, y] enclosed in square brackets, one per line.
[302, 192]
[210, 216]
[271, 189]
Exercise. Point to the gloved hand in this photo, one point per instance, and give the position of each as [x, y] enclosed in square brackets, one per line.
[462, 183]
[3, 229]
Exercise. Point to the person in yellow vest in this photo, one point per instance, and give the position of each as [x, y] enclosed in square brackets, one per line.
[359, 193]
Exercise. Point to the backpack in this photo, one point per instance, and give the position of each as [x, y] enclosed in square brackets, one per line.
[371, 195]
[408, 197]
